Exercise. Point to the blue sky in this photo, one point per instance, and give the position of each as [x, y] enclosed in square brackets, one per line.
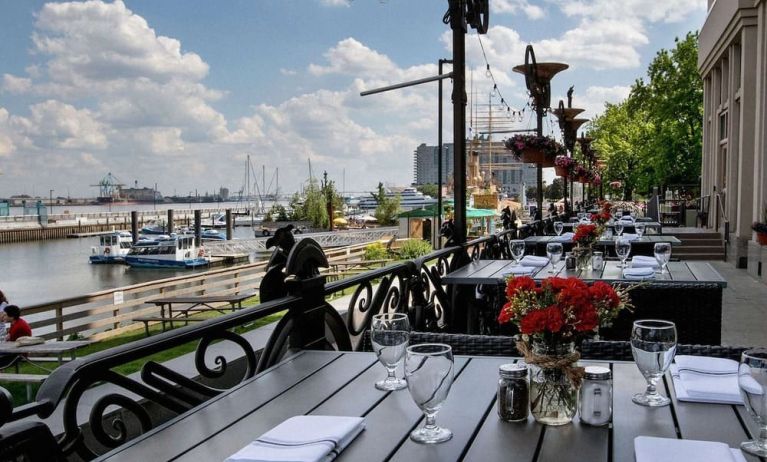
[178, 92]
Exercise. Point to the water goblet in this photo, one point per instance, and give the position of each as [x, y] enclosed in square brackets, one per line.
[518, 248]
[618, 228]
[390, 334]
[622, 250]
[429, 372]
[662, 252]
[639, 227]
[558, 227]
[653, 344]
[752, 380]
[554, 252]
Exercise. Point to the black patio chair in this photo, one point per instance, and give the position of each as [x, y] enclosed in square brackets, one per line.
[462, 344]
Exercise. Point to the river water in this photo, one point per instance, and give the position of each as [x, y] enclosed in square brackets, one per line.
[44, 271]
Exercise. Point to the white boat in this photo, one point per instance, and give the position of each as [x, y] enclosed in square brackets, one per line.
[410, 198]
[167, 252]
[112, 248]
[212, 234]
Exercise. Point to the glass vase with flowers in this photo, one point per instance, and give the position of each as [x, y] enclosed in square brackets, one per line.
[584, 239]
[550, 318]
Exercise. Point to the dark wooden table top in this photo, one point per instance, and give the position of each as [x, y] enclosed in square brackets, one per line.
[494, 271]
[648, 224]
[334, 383]
[644, 240]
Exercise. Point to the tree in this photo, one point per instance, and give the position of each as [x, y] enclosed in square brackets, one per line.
[553, 191]
[429, 189]
[388, 207]
[531, 192]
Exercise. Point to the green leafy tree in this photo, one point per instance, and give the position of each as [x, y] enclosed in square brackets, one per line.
[531, 192]
[429, 189]
[315, 207]
[554, 190]
[388, 207]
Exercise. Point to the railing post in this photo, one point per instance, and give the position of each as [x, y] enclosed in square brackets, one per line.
[309, 313]
[60, 322]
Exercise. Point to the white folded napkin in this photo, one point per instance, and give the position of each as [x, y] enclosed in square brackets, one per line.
[652, 449]
[629, 236]
[565, 237]
[627, 218]
[639, 273]
[531, 260]
[706, 380]
[640, 261]
[520, 270]
[302, 439]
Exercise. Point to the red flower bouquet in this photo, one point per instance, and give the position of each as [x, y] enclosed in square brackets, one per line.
[604, 214]
[586, 235]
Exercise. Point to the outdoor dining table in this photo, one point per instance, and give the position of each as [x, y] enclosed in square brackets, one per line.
[627, 226]
[640, 246]
[337, 383]
[59, 349]
[690, 294]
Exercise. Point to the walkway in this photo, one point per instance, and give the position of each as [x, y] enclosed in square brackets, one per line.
[744, 307]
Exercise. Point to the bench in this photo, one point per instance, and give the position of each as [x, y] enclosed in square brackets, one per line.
[27, 379]
[147, 319]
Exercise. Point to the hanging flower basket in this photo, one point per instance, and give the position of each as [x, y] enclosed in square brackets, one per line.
[535, 149]
[564, 165]
[561, 171]
[761, 238]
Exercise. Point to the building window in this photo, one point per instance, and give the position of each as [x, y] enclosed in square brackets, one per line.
[723, 126]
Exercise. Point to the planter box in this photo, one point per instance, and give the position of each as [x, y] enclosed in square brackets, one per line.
[561, 171]
[534, 156]
[761, 238]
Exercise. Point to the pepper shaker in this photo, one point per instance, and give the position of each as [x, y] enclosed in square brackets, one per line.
[570, 262]
[513, 392]
[596, 396]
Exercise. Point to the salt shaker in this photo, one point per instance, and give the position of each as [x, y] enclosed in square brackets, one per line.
[569, 261]
[597, 260]
[513, 392]
[596, 396]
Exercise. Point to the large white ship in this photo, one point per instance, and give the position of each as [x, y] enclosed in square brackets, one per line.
[410, 198]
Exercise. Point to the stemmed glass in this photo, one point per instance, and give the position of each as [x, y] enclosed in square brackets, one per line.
[390, 334]
[517, 250]
[558, 227]
[662, 255]
[622, 250]
[429, 372]
[653, 344]
[618, 228]
[639, 227]
[752, 378]
[554, 252]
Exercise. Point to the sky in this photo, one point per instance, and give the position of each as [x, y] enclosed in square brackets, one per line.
[179, 92]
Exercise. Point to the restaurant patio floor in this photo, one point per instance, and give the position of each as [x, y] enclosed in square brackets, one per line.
[744, 307]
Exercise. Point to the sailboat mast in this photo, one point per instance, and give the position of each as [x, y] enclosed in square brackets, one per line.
[247, 183]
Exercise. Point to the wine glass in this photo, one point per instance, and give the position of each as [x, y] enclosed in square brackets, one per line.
[639, 227]
[752, 379]
[653, 344]
[554, 252]
[429, 372]
[618, 228]
[622, 250]
[518, 248]
[558, 227]
[663, 255]
[390, 334]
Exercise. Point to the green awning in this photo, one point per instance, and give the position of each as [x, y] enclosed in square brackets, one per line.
[431, 212]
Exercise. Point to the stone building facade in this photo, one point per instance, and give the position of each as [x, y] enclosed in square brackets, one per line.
[732, 61]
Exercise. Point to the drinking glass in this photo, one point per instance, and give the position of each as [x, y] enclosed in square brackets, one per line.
[390, 334]
[517, 250]
[622, 250]
[653, 344]
[554, 252]
[429, 372]
[558, 227]
[752, 378]
[639, 227]
[618, 228]
[662, 255]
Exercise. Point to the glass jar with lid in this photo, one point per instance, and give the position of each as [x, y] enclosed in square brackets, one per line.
[596, 396]
[513, 392]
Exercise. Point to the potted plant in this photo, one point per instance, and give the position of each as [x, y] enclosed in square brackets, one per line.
[564, 165]
[535, 149]
[551, 317]
[761, 229]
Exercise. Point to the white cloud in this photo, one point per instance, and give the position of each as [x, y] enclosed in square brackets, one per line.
[288, 72]
[56, 124]
[594, 98]
[7, 147]
[335, 3]
[13, 84]
[649, 10]
[515, 6]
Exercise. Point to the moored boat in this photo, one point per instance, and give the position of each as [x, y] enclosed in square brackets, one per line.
[112, 248]
[167, 252]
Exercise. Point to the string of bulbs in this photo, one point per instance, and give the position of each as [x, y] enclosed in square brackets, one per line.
[511, 113]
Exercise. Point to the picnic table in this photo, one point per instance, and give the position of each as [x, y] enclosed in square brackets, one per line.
[336, 383]
[50, 348]
[690, 295]
[201, 303]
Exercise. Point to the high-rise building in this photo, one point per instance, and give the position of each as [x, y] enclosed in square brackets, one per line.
[732, 60]
[426, 161]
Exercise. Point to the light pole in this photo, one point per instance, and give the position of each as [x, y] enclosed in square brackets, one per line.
[440, 152]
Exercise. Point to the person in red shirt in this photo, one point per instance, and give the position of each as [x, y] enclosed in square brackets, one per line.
[19, 327]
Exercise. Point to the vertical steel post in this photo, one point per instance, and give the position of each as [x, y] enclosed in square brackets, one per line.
[197, 227]
[458, 26]
[134, 226]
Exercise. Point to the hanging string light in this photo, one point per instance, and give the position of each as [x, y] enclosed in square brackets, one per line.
[511, 112]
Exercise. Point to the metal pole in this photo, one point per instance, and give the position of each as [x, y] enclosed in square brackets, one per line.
[134, 226]
[440, 153]
[459, 118]
[197, 227]
[229, 225]
[539, 113]
[170, 221]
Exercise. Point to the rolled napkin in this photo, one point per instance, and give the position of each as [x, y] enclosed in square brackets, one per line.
[639, 273]
[629, 236]
[565, 237]
[302, 439]
[640, 261]
[520, 270]
[706, 380]
[652, 449]
[627, 218]
[531, 260]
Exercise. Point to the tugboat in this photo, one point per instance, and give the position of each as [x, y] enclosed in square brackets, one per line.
[112, 248]
[167, 252]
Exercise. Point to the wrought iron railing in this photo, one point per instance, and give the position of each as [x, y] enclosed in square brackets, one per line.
[133, 406]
